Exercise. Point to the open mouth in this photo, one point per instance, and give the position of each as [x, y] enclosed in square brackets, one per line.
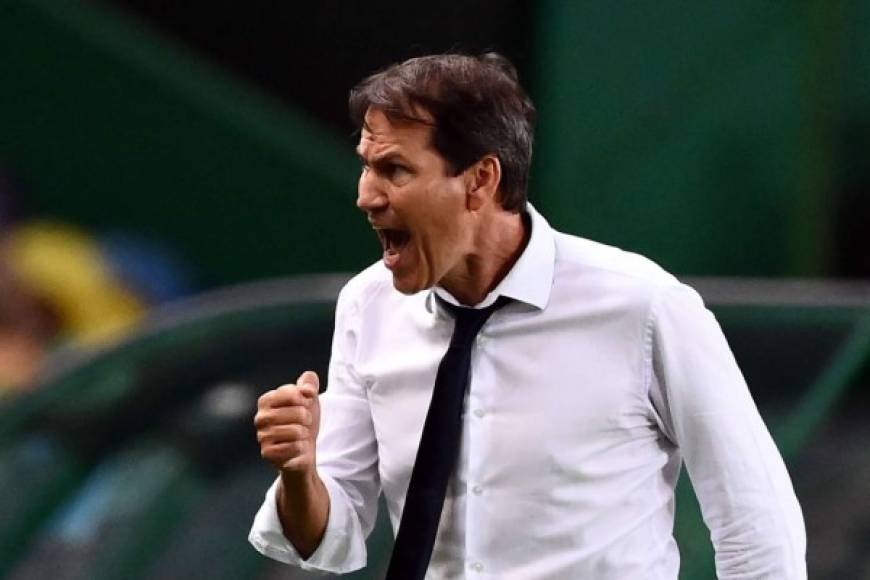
[393, 241]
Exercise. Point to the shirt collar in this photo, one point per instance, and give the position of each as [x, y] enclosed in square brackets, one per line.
[530, 280]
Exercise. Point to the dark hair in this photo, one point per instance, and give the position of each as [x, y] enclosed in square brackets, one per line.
[476, 103]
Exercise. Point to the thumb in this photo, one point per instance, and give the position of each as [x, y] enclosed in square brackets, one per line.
[309, 382]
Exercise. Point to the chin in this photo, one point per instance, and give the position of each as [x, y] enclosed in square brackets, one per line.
[406, 289]
[409, 287]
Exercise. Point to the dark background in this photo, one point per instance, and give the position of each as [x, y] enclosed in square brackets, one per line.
[171, 150]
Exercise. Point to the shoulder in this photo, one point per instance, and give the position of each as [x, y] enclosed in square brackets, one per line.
[373, 283]
[369, 302]
[608, 279]
[578, 255]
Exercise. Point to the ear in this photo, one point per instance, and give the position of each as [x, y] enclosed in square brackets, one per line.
[483, 180]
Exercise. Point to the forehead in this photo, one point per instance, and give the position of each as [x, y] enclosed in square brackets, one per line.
[382, 132]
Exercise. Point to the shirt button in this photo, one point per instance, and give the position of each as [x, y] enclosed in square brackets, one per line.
[479, 412]
[477, 490]
[477, 567]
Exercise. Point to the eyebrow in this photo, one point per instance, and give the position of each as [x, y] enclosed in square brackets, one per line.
[387, 157]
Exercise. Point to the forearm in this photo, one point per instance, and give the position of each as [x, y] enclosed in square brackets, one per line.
[739, 477]
[753, 514]
[303, 508]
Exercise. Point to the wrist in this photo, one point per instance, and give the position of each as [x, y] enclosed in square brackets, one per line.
[303, 508]
[300, 484]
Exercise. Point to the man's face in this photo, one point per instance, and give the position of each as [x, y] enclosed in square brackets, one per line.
[418, 209]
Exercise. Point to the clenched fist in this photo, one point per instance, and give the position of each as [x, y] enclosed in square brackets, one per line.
[287, 422]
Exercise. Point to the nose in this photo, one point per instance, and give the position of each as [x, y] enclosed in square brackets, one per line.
[370, 196]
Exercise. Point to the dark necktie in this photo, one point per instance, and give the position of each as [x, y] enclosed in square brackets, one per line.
[439, 448]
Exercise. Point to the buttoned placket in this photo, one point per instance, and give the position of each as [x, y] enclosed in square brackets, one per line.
[476, 429]
[470, 471]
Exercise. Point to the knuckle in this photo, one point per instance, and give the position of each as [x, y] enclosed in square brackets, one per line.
[265, 399]
[288, 389]
[291, 394]
[261, 419]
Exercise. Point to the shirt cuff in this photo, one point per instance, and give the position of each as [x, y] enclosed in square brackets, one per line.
[341, 550]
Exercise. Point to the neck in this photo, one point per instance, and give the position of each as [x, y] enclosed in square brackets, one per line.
[499, 242]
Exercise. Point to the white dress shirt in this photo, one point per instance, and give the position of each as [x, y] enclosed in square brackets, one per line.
[586, 394]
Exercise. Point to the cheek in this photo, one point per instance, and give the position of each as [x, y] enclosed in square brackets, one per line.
[443, 240]
[438, 214]
[440, 218]
[445, 205]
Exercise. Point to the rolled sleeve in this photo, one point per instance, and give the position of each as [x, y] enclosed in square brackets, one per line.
[341, 550]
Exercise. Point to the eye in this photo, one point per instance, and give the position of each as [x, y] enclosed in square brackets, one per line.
[394, 171]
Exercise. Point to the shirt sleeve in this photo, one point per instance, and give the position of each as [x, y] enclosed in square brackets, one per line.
[347, 462]
[739, 477]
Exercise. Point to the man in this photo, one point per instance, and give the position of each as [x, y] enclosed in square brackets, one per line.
[596, 378]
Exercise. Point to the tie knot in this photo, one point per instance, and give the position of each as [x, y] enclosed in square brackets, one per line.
[469, 321]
